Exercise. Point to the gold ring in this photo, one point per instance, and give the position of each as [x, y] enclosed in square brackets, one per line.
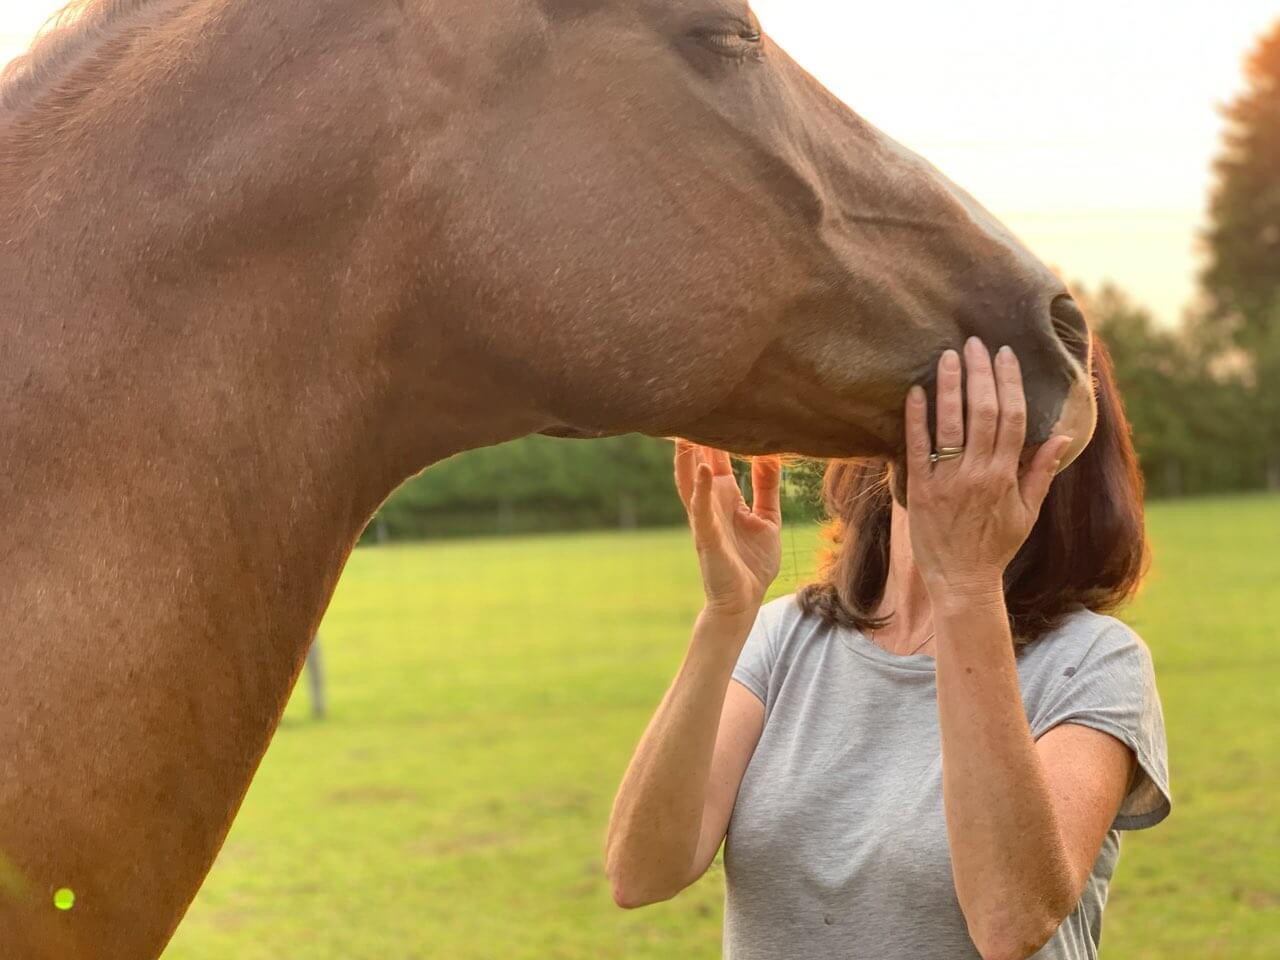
[946, 453]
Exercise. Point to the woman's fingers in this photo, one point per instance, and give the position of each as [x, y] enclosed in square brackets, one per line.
[686, 466]
[1034, 486]
[766, 483]
[917, 424]
[702, 514]
[719, 461]
[984, 405]
[691, 461]
[1013, 408]
[950, 416]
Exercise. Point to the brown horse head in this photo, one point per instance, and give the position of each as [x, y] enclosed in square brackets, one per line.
[634, 215]
[702, 241]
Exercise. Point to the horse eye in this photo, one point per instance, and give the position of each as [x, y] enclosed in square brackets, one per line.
[737, 42]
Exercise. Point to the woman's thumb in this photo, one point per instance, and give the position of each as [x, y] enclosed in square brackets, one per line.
[1044, 466]
[701, 515]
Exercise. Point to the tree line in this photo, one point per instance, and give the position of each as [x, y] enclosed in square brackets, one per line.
[1203, 396]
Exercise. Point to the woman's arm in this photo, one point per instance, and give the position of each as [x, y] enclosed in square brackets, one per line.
[673, 805]
[1025, 821]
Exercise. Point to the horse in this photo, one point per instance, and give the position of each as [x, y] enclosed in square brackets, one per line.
[261, 261]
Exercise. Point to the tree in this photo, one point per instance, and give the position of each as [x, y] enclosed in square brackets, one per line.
[1151, 373]
[1190, 421]
[538, 483]
[1242, 277]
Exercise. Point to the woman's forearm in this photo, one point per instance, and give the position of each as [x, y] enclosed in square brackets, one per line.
[1011, 869]
[657, 815]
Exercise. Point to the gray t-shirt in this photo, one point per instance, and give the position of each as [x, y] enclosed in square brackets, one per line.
[837, 846]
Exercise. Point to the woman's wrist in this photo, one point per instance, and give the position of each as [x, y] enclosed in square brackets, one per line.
[951, 598]
[727, 618]
[725, 624]
[714, 649]
[715, 645]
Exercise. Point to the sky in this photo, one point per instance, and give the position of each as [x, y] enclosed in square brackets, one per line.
[1088, 127]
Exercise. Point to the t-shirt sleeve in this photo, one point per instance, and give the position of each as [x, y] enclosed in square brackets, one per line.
[759, 655]
[1112, 688]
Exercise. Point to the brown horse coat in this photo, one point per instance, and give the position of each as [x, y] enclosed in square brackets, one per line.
[262, 261]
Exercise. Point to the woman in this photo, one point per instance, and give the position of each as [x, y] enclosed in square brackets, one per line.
[927, 753]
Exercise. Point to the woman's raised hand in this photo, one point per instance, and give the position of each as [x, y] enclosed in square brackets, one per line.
[970, 515]
[739, 547]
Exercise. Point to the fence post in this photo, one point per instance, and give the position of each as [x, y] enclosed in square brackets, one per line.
[315, 680]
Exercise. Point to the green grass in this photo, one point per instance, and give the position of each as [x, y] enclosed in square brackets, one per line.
[486, 696]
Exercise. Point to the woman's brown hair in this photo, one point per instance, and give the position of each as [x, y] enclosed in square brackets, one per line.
[1087, 546]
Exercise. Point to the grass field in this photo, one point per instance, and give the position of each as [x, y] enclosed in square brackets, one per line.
[486, 696]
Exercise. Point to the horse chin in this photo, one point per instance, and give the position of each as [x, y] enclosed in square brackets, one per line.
[566, 432]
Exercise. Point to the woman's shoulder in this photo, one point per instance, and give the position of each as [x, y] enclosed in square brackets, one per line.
[786, 626]
[1086, 634]
[1094, 670]
[1082, 630]
[782, 609]
[777, 637]
[1087, 653]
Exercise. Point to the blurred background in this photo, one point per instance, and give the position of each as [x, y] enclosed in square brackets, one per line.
[513, 615]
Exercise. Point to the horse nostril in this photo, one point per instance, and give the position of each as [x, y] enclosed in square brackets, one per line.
[1070, 326]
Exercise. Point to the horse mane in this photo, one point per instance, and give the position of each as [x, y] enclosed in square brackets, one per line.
[66, 40]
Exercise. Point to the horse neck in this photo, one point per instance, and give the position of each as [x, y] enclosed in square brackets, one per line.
[230, 429]
[221, 317]
[218, 358]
